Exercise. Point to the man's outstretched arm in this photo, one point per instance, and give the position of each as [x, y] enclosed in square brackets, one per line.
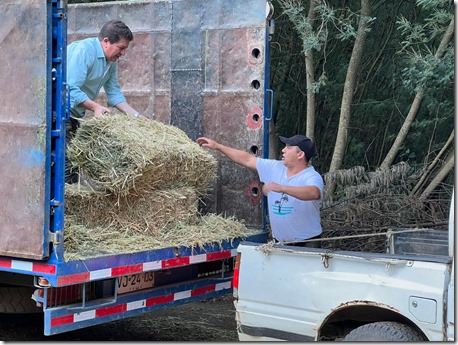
[237, 156]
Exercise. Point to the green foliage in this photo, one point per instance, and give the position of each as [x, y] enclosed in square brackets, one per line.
[420, 35]
[311, 40]
[315, 37]
[398, 60]
[431, 75]
[427, 71]
[347, 22]
[433, 4]
[325, 12]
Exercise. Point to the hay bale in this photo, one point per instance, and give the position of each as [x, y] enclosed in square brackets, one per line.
[82, 242]
[123, 153]
[146, 213]
[139, 187]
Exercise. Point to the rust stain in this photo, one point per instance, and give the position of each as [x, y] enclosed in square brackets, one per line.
[253, 192]
[364, 303]
[254, 118]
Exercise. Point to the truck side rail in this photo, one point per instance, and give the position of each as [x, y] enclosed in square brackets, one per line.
[383, 257]
[56, 273]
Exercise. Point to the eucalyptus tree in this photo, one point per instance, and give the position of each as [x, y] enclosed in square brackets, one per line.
[429, 49]
[420, 47]
[304, 22]
[313, 21]
[350, 82]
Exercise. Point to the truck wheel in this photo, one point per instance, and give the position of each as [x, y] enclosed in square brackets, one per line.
[384, 331]
[17, 300]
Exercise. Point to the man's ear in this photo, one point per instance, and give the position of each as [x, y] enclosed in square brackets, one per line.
[105, 42]
[304, 157]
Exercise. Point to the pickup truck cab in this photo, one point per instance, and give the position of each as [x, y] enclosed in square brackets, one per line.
[304, 294]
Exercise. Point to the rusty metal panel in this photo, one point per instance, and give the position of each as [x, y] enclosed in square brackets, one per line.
[23, 121]
[198, 65]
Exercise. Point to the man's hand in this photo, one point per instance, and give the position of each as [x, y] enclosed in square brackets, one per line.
[238, 156]
[205, 142]
[101, 111]
[142, 117]
[270, 187]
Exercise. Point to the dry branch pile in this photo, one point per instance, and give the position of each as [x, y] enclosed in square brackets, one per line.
[366, 204]
[140, 182]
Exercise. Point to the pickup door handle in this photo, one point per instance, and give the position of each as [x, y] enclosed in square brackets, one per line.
[388, 262]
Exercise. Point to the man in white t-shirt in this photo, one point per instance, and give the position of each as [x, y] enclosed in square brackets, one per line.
[293, 188]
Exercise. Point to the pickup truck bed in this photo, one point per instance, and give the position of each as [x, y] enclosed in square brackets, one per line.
[303, 294]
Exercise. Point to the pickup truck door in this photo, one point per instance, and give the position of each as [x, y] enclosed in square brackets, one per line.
[289, 292]
[24, 138]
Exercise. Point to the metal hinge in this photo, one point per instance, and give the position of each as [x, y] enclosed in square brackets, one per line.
[55, 237]
[325, 259]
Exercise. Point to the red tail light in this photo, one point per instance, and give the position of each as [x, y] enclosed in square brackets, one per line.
[235, 279]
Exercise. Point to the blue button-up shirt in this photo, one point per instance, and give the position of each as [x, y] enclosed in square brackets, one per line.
[87, 71]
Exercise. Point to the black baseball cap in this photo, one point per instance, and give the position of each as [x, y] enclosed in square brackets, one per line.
[304, 143]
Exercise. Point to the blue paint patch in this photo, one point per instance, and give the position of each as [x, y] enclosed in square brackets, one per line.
[32, 158]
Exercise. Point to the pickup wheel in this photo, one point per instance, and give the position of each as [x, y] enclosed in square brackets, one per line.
[17, 300]
[384, 331]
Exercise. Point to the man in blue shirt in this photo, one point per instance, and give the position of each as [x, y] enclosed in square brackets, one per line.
[91, 65]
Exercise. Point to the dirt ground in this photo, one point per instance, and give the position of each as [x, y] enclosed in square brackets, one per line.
[210, 320]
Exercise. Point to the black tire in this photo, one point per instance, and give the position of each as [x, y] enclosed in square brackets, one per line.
[18, 300]
[384, 331]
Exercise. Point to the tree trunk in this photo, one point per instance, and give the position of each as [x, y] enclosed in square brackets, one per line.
[402, 134]
[418, 186]
[350, 82]
[441, 175]
[310, 77]
[389, 159]
[277, 109]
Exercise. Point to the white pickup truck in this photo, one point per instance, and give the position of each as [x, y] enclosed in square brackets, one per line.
[304, 294]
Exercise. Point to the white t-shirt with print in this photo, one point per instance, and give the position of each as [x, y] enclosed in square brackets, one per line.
[291, 219]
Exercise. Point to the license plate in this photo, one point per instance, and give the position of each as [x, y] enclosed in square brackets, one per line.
[134, 282]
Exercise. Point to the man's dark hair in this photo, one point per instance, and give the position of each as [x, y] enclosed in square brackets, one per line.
[115, 30]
